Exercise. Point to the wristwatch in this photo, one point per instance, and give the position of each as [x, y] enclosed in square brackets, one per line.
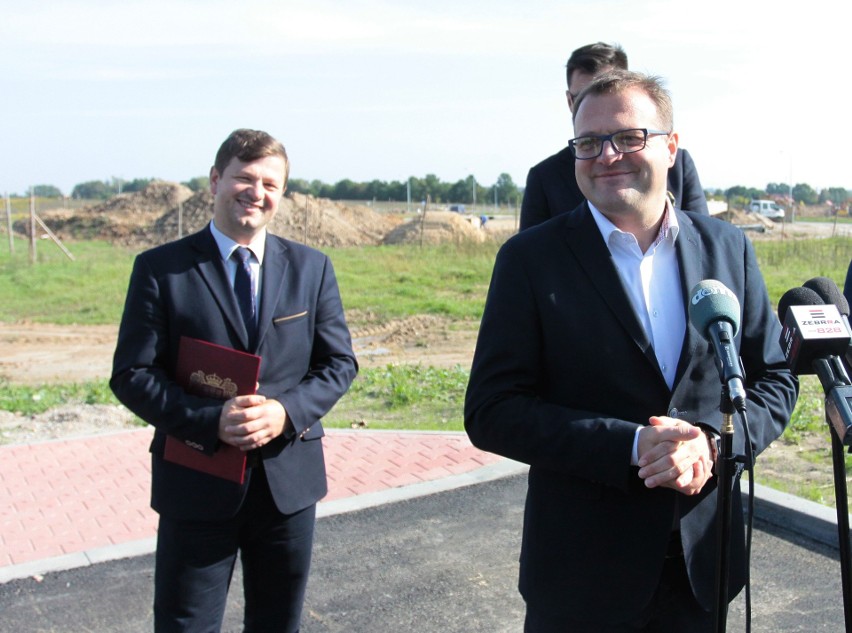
[714, 443]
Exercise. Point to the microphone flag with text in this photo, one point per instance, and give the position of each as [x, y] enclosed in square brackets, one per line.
[714, 311]
[830, 293]
[813, 336]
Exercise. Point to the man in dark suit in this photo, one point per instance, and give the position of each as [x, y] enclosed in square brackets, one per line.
[587, 369]
[551, 186]
[295, 323]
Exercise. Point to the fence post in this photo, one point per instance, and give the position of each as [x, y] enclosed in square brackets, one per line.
[32, 228]
[9, 223]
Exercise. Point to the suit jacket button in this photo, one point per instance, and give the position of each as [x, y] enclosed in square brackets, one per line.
[673, 413]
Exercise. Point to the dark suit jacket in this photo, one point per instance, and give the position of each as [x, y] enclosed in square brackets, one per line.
[552, 188]
[563, 373]
[182, 289]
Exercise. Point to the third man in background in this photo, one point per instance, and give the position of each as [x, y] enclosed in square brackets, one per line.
[551, 185]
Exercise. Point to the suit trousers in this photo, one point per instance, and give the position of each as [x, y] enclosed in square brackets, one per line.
[195, 561]
[673, 609]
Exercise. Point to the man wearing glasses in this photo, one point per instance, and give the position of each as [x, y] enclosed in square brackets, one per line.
[551, 186]
[587, 369]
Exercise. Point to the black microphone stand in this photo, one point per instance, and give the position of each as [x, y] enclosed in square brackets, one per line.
[840, 493]
[838, 414]
[725, 469]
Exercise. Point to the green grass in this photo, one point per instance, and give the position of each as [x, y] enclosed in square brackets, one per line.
[386, 281]
[411, 397]
[789, 263]
[89, 290]
[824, 219]
[32, 400]
[398, 281]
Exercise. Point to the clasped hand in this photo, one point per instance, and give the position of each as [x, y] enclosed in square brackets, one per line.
[249, 422]
[674, 454]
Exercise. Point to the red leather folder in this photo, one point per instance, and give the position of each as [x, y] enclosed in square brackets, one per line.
[213, 371]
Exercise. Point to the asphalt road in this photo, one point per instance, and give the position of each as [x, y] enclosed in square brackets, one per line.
[441, 563]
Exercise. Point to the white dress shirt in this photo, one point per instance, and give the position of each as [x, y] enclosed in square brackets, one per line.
[652, 282]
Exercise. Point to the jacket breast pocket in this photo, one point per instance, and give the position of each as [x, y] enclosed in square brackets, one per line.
[287, 319]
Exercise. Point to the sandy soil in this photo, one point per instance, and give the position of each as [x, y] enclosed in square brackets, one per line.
[38, 354]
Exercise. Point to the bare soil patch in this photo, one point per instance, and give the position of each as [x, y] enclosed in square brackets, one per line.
[38, 354]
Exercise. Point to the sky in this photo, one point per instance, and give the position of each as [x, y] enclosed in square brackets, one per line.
[383, 89]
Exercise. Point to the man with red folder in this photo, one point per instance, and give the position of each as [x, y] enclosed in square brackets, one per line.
[286, 309]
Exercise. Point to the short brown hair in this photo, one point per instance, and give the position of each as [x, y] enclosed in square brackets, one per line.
[248, 145]
[616, 81]
[591, 59]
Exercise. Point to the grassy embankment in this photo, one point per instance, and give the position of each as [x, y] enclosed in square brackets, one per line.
[383, 282]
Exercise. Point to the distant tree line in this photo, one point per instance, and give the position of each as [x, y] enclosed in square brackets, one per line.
[466, 191]
[104, 189]
[802, 193]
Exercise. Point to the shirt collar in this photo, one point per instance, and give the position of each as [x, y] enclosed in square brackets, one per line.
[227, 246]
[669, 228]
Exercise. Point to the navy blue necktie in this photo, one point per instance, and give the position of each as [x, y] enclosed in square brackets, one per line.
[244, 291]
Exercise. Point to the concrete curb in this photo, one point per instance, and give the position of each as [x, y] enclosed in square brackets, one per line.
[805, 518]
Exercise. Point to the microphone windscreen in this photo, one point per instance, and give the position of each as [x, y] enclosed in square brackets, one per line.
[797, 297]
[711, 301]
[828, 292]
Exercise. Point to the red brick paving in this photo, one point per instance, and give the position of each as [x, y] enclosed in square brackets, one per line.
[70, 496]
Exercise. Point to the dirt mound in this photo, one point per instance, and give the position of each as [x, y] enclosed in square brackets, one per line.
[746, 218]
[437, 227]
[119, 219]
[313, 221]
[154, 200]
[321, 222]
[156, 214]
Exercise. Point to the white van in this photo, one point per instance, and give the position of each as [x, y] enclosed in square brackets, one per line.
[767, 208]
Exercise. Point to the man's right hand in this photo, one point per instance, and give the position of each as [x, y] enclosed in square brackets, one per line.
[674, 454]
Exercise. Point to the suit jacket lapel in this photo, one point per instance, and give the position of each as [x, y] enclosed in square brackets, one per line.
[212, 270]
[586, 242]
[273, 271]
[689, 248]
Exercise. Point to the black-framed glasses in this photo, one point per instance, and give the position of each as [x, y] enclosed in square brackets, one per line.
[623, 142]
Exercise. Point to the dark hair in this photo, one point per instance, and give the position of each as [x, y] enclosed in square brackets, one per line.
[248, 145]
[616, 81]
[593, 58]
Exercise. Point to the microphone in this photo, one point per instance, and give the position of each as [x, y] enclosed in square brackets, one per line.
[812, 336]
[715, 312]
[830, 293]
